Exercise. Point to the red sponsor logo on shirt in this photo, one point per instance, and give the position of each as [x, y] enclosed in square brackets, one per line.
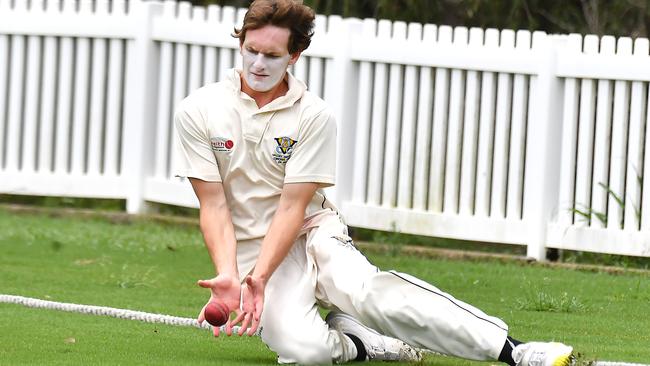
[221, 144]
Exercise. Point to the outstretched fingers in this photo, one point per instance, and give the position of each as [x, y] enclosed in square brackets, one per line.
[255, 304]
[245, 323]
[232, 322]
[239, 317]
[216, 331]
[254, 325]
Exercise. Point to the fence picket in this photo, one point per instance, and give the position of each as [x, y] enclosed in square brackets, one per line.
[97, 98]
[301, 70]
[226, 55]
[139, 105]
[210, 54]
[114, 103]
[195, 79]
[64, 98]
[542, 155]
[393, 124]
[165, 105]
[80, 105]
[470, 131]
[455, 130]
[316, 75]
[81, 97]
[645, 198]
[409, 111]
[586, 120]
[113, 108]
[501, 134]
[4, 69]
[378, 125]
[439, 142]
[239, 18]
[620, 127]
[114, 98]
[33, 95]
[316, 64]
[345, 34]
[566, 200]
[518, 127]
[239, 21]
[424, 123]
[602, 139]
[486, 133]
[364, 115]
[32, 103]
[180, 87]
[635, 146]
[48, 90]
[16, 90]
[14, 114]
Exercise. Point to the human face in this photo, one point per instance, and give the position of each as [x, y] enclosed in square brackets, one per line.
[265, 57]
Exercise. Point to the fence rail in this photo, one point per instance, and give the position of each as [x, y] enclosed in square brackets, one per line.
[502, 136]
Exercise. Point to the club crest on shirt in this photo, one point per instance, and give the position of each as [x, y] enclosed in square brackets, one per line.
[221, 144]
[284, 149]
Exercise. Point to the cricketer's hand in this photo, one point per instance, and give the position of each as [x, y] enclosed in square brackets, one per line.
[226, 288]
[252, 305]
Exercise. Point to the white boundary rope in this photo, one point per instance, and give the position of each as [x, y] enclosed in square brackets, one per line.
[160, 318]
[108, 311]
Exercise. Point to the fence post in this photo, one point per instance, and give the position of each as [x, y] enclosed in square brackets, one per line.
[543, 145]
[139, 105]
[341, 93]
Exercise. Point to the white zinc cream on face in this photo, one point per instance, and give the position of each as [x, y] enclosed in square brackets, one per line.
[263, 72]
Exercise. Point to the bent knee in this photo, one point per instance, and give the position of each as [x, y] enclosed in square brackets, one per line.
[300, 352]
[294, 344]
[306, 358]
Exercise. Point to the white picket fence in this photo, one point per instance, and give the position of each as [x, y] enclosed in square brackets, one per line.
[484, 135]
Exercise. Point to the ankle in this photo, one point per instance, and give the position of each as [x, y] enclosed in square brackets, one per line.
[506, 351]
[361, 350]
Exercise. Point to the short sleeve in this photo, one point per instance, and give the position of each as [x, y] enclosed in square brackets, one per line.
[193, 153]
[314, 157]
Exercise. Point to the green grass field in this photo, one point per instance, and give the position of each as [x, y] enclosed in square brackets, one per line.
[152, 266]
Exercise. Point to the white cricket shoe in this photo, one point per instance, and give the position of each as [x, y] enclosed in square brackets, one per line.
[543, 354]
[378, 347]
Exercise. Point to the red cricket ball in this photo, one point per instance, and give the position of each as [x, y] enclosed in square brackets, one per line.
[216, 313]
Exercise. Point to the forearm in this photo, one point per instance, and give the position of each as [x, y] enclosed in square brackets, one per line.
[281, 235]
[219, 237]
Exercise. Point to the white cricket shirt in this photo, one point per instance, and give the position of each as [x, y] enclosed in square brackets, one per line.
[222, 136]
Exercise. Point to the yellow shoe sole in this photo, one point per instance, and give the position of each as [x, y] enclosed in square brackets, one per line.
[564, 360]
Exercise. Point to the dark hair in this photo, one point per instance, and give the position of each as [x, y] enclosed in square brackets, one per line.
[290, 14]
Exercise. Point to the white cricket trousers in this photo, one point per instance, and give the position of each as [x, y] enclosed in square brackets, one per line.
[323, 267]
